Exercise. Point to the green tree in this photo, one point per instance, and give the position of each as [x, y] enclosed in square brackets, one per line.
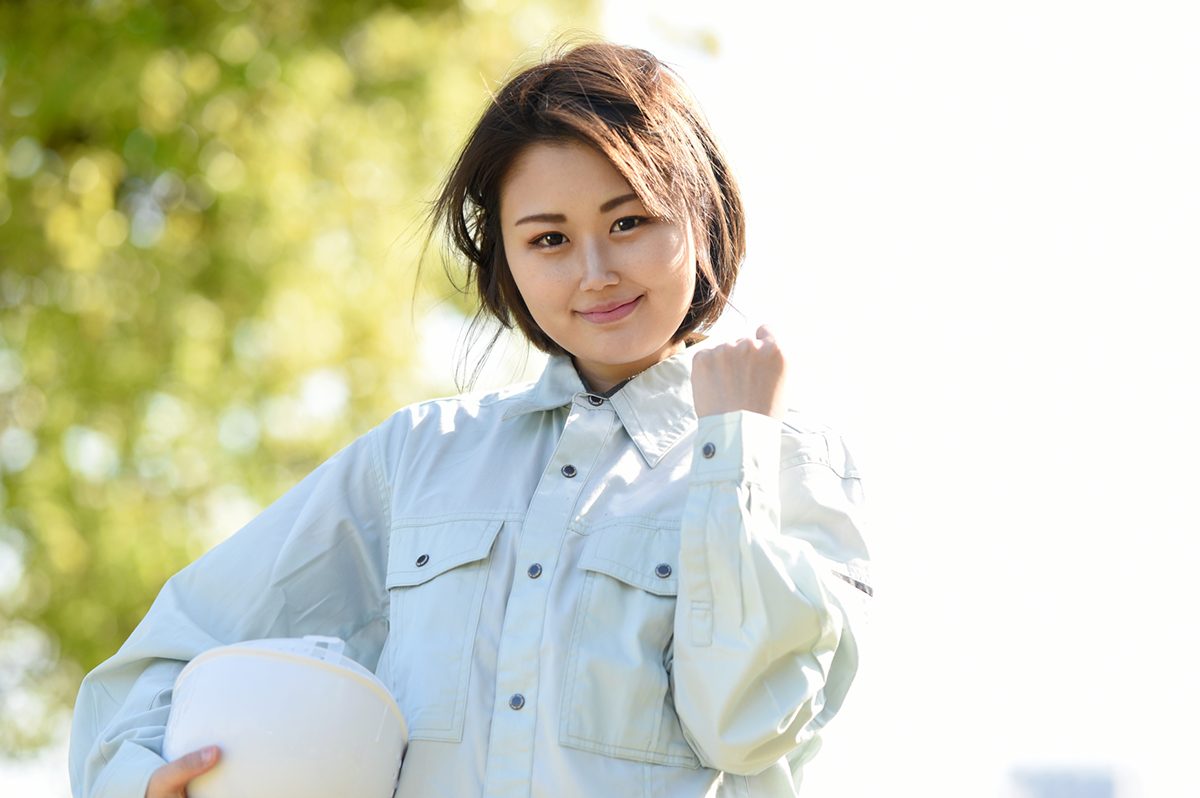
[209, 228]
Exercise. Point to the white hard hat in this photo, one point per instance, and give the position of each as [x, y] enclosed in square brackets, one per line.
[294, 718]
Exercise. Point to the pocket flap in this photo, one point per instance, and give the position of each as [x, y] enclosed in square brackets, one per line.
[420, 551]
[640, 556]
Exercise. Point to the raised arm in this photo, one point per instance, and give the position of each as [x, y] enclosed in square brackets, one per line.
[773, 591]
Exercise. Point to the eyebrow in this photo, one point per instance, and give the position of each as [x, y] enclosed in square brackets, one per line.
[558, 217]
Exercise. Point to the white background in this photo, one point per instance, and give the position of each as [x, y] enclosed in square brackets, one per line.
[974, 226]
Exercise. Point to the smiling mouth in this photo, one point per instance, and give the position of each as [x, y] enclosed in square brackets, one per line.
[615, 314]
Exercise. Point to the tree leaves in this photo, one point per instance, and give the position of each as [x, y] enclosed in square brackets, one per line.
[208, 239]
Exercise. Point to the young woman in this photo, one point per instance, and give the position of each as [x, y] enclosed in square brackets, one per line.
[639, 575]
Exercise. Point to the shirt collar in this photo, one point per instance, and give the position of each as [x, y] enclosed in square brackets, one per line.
[655, 407]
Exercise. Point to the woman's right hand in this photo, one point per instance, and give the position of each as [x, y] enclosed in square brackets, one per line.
[171, 780]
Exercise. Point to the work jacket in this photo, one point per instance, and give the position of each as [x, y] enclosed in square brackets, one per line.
[568, 594]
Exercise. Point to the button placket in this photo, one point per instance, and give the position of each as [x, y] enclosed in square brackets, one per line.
[546, 523]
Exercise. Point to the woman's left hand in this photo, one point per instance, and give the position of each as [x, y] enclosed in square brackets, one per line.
[748, 374]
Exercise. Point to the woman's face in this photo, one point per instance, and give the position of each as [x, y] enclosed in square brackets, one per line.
[601, 278]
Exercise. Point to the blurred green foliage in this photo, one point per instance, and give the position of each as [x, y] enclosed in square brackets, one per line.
[209, 224]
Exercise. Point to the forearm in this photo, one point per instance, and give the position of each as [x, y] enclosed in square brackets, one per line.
[763, 649]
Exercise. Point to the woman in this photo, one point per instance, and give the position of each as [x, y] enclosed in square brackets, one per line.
[639, 575]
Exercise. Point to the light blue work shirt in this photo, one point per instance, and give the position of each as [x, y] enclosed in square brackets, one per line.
[567, 594]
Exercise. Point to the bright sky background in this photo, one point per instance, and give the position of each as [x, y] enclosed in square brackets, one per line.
[974, 226]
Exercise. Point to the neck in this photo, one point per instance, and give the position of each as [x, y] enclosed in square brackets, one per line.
[602, 378]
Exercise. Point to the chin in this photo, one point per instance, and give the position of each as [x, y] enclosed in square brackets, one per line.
[619, 354]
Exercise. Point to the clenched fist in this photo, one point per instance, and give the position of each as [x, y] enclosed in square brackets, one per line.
[748, 374]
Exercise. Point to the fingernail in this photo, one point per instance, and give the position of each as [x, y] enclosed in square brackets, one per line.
[208, 756]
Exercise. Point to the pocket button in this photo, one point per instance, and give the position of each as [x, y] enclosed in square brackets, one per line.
[662, 571]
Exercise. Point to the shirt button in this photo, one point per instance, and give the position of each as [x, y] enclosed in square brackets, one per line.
[662, 571]
[709, 450]
[422, 560]
[517, 701]
[534, 571]
[594, 400]
[569, 471]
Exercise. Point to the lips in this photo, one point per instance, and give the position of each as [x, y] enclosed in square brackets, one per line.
[609, 306]
[611, 311]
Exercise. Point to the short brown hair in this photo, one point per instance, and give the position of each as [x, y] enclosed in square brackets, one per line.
[636, 111]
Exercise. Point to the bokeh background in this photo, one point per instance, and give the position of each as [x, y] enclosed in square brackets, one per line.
[974, 226]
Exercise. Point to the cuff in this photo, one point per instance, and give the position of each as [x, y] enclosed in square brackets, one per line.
[740, 445]
[128, 773]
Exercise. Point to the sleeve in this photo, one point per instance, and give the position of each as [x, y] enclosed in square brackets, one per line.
[773, 591]
[311, 563]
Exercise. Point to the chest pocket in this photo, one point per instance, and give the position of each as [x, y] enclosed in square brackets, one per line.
[617, 698]
[436, 576]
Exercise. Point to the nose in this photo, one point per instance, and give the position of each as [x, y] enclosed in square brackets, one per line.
[596, 269]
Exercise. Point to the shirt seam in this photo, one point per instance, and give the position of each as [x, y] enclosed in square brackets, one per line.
[376, 465]
[796, 461]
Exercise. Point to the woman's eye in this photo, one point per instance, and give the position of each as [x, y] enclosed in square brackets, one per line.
[628, 222]
[548, 240]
